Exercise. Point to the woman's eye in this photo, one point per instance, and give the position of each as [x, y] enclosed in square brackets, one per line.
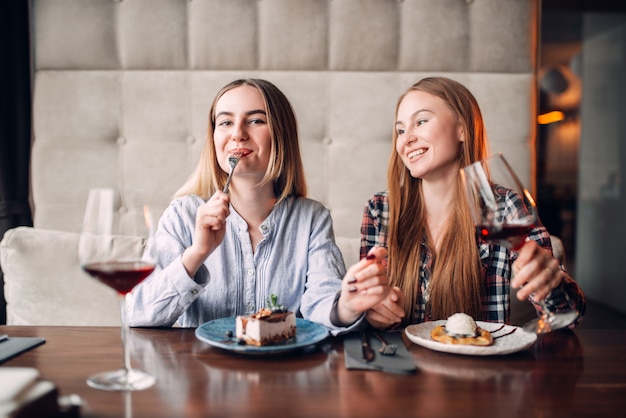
[256, 122]
[224, 123]
[420, 122]
[400, 132]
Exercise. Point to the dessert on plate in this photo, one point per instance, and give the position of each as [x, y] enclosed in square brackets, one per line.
[271, 325]
[461, 329]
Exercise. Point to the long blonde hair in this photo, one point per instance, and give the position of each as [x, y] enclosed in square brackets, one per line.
[455, 284]
[285, 169]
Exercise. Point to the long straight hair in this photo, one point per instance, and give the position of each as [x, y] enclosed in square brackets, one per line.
[455, 284]
[285, 169]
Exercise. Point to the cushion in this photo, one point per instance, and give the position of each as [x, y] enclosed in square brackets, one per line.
[44, 284]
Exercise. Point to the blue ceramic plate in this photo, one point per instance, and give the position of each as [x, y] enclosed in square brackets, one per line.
[214, 333]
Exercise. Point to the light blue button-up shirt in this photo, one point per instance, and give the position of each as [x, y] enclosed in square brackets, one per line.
[297, 260]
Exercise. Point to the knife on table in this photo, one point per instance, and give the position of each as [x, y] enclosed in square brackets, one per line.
[368, 353]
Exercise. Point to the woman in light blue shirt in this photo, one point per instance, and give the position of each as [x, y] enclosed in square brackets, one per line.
[223, 254]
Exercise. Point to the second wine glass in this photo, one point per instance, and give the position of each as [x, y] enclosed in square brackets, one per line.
[504, 212]
[115, 250]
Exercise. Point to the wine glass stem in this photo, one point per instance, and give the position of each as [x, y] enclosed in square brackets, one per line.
[547, 313]
[124, 334]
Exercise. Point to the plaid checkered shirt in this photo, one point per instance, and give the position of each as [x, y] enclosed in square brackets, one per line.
[495, 260]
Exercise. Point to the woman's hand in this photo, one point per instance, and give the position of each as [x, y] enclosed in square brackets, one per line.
[364, 286]
[209, 231]
[535, 271]
[389, 312]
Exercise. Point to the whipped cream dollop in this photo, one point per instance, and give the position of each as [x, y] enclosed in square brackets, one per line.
[461, 325]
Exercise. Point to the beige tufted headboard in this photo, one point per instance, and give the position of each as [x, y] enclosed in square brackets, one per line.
[122, 88]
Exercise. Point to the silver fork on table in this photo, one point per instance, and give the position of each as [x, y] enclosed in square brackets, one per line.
[385, 349]
[232, 162]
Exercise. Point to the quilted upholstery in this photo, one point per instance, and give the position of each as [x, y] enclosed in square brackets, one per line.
[122, 88]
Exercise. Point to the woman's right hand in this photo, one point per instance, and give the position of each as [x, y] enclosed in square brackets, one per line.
[364, 285]
[209, 231]
[389, 312]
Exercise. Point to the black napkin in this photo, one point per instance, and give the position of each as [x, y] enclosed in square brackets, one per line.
[401, 362]
[14, 346]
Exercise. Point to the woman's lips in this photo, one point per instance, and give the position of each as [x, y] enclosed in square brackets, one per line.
[416, 153]
[240, 152]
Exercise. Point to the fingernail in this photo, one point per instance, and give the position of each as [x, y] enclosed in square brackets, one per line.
[352, 280]
[370, 257]
[352, 289]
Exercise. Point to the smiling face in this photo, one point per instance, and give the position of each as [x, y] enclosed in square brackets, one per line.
[241, 127]
[428, 136]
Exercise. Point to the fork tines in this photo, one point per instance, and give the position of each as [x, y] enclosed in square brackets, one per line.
[386, 349]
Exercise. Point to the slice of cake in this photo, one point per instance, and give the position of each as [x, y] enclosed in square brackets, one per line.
[271, 325]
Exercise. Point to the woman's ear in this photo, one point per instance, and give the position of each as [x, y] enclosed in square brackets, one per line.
[461, 133]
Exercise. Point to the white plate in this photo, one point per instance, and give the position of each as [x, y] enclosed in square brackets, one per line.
[517, 341]
[214, 333]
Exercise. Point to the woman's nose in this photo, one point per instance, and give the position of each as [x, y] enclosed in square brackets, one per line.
[239, 132]
[410, 138]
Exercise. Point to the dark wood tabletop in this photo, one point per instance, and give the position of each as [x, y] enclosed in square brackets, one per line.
[578, 373]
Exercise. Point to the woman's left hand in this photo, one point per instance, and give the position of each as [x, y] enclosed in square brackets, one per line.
[535, 271]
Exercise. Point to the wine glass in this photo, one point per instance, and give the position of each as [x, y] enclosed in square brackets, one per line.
[113, 249]
[504, 212]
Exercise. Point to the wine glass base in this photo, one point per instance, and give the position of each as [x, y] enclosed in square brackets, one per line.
[552, 322]
[121, 380]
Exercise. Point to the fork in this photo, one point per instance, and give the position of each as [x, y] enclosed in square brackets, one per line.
[385, 349]
[232, 162]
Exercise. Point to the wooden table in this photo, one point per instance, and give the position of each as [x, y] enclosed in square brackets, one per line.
[566, 374]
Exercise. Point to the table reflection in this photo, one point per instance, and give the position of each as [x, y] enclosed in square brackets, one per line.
[520, 382]
[563, 348]
[556, 377]
[196, 378]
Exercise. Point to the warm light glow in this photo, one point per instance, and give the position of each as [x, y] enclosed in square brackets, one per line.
[147, 217]
[550, 117]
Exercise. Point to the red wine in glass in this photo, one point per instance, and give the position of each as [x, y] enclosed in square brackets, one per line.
[504, 212]
[508, 235]
[115, 248]
[122, 276]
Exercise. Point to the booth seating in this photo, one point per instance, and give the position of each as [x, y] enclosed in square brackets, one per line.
[122, 91]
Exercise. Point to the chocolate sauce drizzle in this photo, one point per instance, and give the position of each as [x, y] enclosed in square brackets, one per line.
[505, 334]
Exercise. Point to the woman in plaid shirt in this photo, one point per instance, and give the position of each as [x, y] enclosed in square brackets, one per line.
[436, 263]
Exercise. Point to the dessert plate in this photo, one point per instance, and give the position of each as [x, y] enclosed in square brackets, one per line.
[215, 333]
[518, 340]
